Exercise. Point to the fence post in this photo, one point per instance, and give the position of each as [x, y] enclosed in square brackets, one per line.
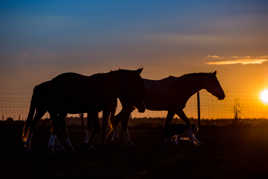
[198, 109]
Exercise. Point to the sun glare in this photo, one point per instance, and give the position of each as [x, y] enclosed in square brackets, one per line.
[264, 96]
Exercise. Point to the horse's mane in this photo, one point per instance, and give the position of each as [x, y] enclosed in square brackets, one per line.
[189, 76]
[194, 75]
[121, 71]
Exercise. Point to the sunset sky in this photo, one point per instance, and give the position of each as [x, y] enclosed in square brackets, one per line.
[40, 39]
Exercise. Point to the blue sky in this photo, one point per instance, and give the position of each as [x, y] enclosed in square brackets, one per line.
[87, 26]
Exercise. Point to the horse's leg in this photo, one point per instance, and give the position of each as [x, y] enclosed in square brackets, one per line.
[87, 131]
[96, 126]
[113, 133]
[84, 128]
[182, 115]
[55, 133]
[170, 115]
[114, 123]
[83, 123]
[52, 138]
[105, 118]
[124, 116]
[189, 131]
[32, 127]
[65, 132]
[124, 131]
[59, 139]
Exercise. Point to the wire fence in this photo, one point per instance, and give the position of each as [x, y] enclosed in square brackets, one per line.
[15, 104]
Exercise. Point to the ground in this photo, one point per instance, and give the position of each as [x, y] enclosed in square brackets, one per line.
[233, 151]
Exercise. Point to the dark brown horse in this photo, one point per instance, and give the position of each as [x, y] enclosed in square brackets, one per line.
[172, 93]
[74, 93]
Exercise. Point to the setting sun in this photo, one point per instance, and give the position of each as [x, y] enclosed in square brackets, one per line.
[264, 96]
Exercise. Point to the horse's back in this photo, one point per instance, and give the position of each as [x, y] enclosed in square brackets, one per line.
[160, 94]
[73, 84]
[80, 91]
[69, 77]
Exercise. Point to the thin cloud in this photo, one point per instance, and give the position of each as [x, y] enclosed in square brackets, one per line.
[244, 60]
[214, 56]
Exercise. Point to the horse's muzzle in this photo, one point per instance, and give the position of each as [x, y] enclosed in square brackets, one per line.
[221, 97]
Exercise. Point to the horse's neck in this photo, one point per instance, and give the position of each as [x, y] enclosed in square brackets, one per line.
[193, 86]
[117, 85]
[107, 82]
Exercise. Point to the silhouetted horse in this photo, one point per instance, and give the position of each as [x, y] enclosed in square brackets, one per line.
[171, 94]
[74, 93]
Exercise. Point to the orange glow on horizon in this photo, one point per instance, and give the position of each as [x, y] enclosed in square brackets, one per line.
[264, 96]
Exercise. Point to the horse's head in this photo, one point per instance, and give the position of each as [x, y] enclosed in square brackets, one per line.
[131, 88]
[212, 85]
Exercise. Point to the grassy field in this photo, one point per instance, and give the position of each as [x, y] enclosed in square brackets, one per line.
[233, 150]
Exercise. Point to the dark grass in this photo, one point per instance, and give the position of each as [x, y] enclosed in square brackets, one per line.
[233, 151]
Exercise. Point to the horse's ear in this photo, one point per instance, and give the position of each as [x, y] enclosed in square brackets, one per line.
[139, 70]
[214, 73]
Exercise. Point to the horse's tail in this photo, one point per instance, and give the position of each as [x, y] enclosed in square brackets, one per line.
[30, 115]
